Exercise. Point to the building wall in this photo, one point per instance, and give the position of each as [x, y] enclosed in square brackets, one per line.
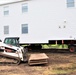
[46, 19]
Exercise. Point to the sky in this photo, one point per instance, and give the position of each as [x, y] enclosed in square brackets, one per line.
[6, 1]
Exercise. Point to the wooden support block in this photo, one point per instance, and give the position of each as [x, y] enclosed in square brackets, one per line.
[40, 58]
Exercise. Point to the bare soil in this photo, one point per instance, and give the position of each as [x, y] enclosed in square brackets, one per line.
[59, 63]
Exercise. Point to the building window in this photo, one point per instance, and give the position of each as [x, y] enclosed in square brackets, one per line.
[6, 29]
[6, 10]
[70, 3]
[24, 28]
[24, 8]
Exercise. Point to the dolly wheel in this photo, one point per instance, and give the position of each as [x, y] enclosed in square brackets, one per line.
[72, 49]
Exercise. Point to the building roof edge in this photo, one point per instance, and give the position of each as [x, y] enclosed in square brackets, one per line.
[12, 2]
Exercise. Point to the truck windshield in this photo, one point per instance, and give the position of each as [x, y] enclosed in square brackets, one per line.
[12, 41]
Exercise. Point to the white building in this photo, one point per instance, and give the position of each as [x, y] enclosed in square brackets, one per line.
[38, 21]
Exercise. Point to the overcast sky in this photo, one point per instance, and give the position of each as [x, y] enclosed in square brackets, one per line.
[6, 1]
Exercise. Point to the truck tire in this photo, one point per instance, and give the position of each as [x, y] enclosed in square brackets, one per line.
[72, 49]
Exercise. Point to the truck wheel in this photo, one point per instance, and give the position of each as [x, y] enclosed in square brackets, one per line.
[25, 49]
[72, 49]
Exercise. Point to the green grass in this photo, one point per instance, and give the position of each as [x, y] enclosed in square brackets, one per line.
[64, 70]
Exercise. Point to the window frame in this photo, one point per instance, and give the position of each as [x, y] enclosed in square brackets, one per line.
[6, 29]
[24, 7]
[24, 28]
[70, 3]
[6, 10]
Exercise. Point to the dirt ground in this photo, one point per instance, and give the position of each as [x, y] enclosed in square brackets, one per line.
[60, 63]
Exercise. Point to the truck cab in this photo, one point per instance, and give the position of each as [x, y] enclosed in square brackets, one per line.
[12, 41]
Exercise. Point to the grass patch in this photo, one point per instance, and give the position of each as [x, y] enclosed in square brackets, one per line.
[64, 69]
[61, 69]
[59, 72]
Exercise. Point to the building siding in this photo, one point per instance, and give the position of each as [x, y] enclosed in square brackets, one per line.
[46, 19]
